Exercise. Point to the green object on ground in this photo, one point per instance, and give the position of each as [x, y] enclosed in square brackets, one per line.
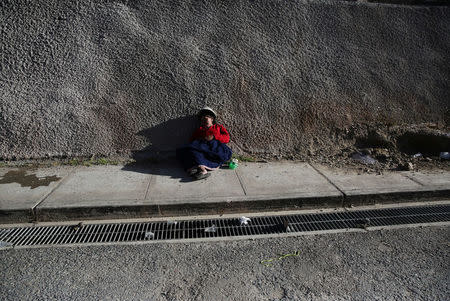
[233, 164]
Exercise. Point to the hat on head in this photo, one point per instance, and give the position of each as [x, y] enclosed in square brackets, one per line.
[207, 111]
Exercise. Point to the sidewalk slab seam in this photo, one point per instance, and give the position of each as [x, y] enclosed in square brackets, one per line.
[412, 179]
[17, 199]
[241, 182]
[326, 178]
[150, 181]
[63, 180]
[441, 178]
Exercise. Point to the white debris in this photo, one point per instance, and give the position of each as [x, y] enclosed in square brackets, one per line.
[149, 235]
[286, 226]
[211, 229]
[444, 155]
[5, 245]
[172, 223]
[365, 159]
[417, 155]
[244, 220]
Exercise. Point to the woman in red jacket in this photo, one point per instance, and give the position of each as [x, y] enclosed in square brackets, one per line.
[207, 150]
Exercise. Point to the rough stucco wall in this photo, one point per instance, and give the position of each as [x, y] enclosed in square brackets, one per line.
[100, 77]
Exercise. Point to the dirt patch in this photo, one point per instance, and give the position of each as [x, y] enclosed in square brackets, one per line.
[400, 147]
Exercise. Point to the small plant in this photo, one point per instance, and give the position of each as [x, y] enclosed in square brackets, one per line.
[242, 158]
[86, 163]
[92, 161]
[74, 162]
[104, 161]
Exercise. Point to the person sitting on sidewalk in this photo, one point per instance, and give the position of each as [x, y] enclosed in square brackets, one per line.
[207, 149]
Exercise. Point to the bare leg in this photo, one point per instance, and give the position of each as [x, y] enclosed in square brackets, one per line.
[203, 169]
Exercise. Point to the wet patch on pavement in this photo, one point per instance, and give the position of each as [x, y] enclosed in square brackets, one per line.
[27, 180]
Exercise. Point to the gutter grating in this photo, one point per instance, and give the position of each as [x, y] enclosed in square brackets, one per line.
[222, 227]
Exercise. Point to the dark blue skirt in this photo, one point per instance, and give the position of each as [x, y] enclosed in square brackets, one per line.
[200, 152]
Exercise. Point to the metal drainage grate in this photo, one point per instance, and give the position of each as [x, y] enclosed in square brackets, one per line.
[169, 230]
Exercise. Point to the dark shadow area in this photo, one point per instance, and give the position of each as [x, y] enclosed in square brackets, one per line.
[409, 2]
[159, 157]
[169, 167]
[373, 139]
[166, 137]
[426, 143]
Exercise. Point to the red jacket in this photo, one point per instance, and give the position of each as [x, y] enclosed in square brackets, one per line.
[219, 132]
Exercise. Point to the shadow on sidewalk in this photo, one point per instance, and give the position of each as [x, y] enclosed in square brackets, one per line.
[169, 168]
[158, 157]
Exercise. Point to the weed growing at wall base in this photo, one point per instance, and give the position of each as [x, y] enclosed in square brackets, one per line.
[92, 161]
[242, 158]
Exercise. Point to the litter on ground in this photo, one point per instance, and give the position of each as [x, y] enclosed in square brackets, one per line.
[365, 159]
[268, 262]
[211, 229]
[444, 155]
[244, 220]
[5, 245]
[149, 235]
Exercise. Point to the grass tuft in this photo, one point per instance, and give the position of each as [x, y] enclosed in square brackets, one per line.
[92, 161]
[243, 158]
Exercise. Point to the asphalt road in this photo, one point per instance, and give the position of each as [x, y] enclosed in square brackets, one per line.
[402, 264]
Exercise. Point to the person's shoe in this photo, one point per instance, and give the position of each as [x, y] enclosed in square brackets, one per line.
[200, 175]
[193, 172]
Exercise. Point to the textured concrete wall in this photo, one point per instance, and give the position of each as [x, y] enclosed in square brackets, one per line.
[100, 77]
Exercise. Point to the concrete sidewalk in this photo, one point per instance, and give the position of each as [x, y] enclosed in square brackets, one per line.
[63, 193]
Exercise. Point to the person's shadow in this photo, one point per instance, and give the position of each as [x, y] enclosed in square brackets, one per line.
[159, 156]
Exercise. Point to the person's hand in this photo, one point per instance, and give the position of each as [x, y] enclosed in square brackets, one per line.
[209, 137]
